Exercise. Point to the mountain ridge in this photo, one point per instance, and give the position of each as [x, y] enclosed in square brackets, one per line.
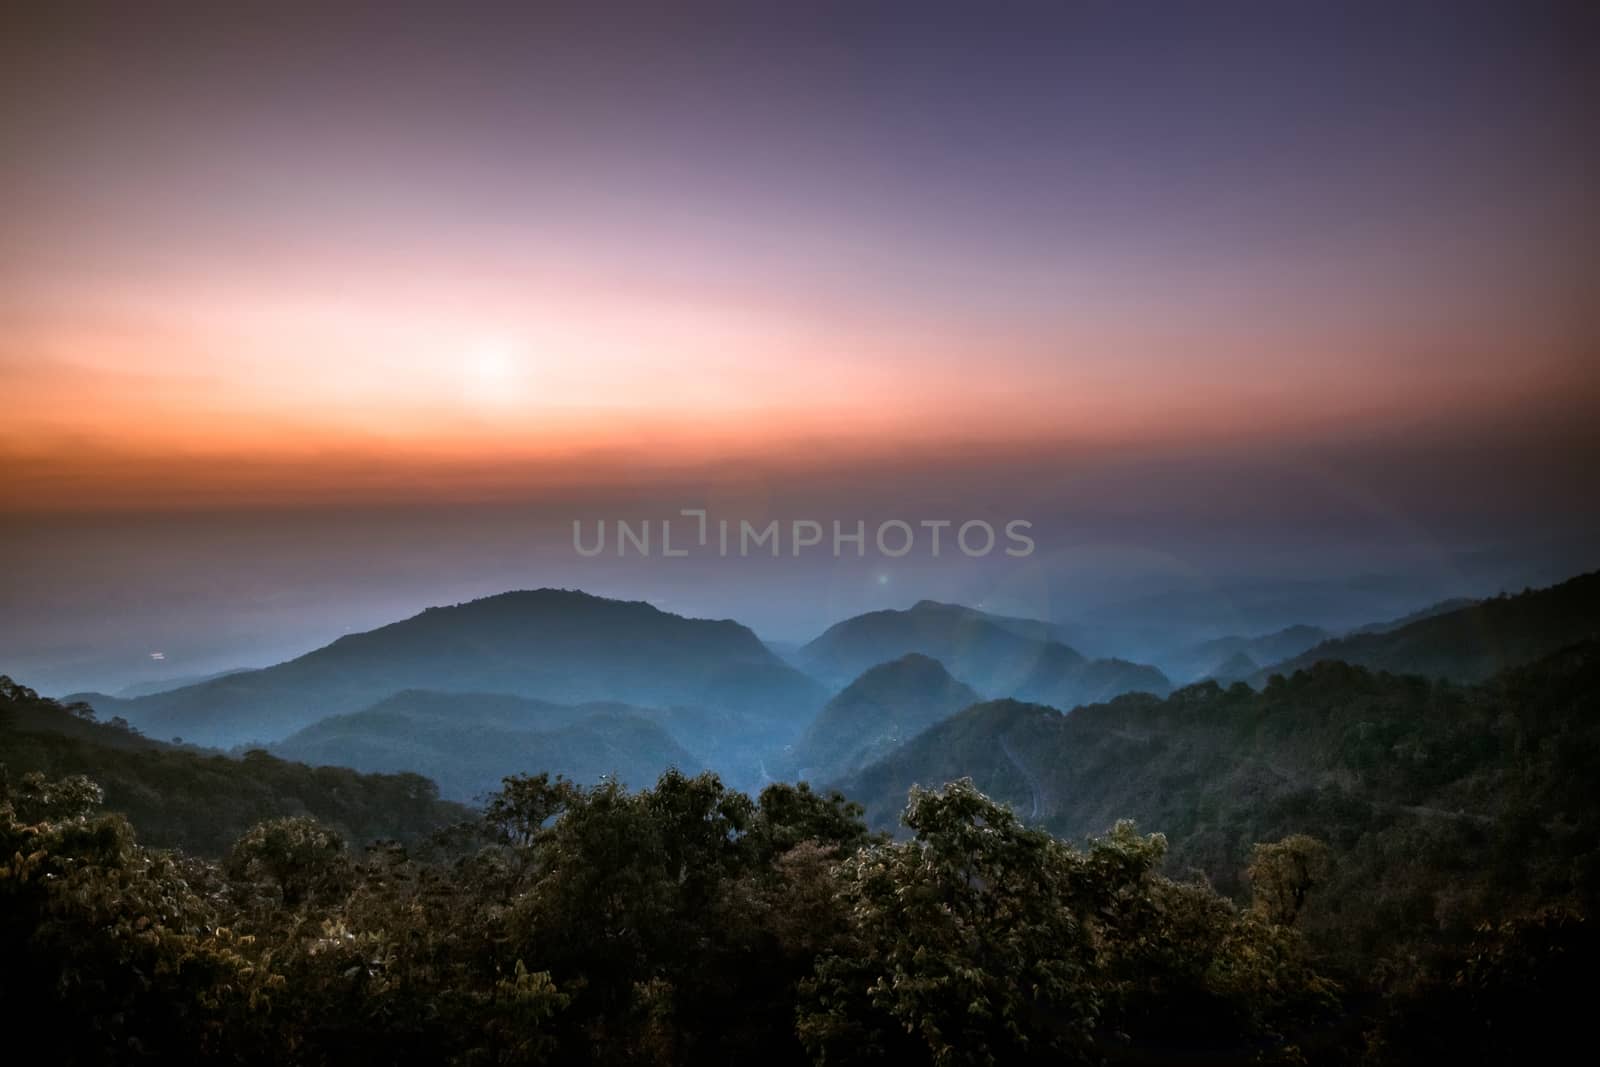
[994, 655]
[468, 742]
[564, 646]
[1469, 643]
[873, 714]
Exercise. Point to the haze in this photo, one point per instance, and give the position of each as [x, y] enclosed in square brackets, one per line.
[313, 319]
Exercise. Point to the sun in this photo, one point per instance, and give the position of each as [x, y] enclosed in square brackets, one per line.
[494, 374]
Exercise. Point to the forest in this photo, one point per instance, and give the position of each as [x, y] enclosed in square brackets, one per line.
[691, 923]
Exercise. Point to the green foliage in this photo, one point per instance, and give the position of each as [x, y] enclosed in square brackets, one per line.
[299, 856]
[966, 948]
[110, 953]
[981, 941]
[1282, 875]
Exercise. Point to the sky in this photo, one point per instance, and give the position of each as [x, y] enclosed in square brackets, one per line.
[1233, 287]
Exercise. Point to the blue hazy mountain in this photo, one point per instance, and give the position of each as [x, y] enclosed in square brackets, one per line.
[1469, 643]
[1207, 658]
[555, 645]
[468, 742]
[886, 706]
[163, 685]
[995, 655]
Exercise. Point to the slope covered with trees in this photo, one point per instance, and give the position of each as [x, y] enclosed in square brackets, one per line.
[1471, 642]
[1441, 801]
[201, 801]
[887, 705]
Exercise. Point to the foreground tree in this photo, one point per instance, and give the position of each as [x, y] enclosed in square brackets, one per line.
[110, 955]
[981, 941]
[966, 945]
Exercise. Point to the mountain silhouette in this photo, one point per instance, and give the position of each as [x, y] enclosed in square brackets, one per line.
[1064, 679]
[886, 706]
[995, 655]
[1236, 668]
[1469, 643]
[468, 742]
[562, 646]
[1206, 659]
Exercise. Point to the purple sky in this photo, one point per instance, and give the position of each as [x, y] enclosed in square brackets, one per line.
[1204, 291]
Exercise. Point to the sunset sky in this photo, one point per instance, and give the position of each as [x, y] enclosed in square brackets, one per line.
[409, 257]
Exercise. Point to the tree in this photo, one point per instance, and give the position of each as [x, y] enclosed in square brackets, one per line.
[109, 951]
[966, 946]
[1283, 874]
[298, 855]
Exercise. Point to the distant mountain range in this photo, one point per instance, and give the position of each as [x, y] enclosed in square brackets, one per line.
[572, 683]
[1227, 656]
[1441, 757]
[548, 644]
[995, 655]
[1075, 771]
[1162, 627]
[1471, 642]
[468, 742]
[1236, 668]
[163, 685]
[1441, 608]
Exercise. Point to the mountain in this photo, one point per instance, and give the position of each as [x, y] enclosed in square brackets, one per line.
[1163, 625]
[975, 743]
[1064, 679]
[1236, 668]
[1435, 797]
[993, 654]
[202, 801]
[1473, 642]
[983, 651]
[468, 742]
[1206, 659]
[1441, 608]
[162, 685]
[885, 706]
[549, 644]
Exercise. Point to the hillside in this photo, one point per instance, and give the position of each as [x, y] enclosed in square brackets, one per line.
[548, 644]
[1205, 659]
[1441, 608]
[1470, 643]
[1436, 797]
[202, 801]
[1063, 679]
[468, 742]
[163, 685]
[1236, 668]
[887, 705]
[995, 655]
